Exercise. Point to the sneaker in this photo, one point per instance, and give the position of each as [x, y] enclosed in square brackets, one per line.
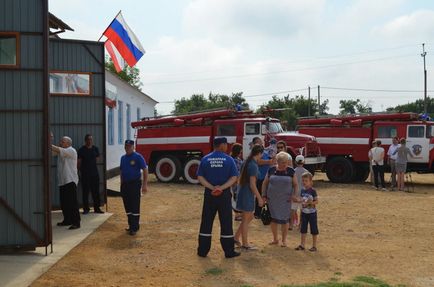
[132, 232]
[384, 189]
[232, 255]
[72, 227]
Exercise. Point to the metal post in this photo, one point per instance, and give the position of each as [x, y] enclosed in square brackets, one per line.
[308, 101]
[319, 101]
[425, 108]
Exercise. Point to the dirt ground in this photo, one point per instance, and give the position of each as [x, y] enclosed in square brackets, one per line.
[386, 235]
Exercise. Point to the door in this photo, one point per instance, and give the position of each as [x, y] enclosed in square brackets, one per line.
[251, 130]
[418, 143]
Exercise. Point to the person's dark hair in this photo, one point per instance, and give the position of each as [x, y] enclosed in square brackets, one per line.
[255, 139]
[402, 141]
[378, 142]
[244, 179]
[236, 150]
[87, 136]
[282, 143]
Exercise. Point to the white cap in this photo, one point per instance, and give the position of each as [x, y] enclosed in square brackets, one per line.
[299, 158]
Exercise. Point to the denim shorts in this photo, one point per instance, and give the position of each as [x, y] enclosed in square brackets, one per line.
[309, 219]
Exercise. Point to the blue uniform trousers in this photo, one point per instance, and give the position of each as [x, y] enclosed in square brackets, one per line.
[131, 192]
[211, 205]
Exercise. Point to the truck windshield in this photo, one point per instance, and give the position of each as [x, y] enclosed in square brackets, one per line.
[274, 128]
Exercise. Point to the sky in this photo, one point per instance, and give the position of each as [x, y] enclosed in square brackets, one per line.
[266, 47]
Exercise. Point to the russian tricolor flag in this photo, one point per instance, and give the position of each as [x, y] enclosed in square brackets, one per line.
[126, 43]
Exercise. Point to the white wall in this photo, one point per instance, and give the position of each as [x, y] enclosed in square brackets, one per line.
[127, 95]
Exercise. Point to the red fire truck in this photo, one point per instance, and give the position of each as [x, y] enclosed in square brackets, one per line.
[174, 145]
[345, 141]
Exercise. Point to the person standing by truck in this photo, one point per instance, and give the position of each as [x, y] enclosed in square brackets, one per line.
[88, 154]
[132, 185]
[217, 173]
[392, 160]
[377, 155]
[402, 153]
[264, 164]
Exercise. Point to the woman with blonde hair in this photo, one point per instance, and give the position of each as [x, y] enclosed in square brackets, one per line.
[278, 187]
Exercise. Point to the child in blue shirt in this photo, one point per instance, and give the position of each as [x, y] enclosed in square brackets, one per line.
[309, 200]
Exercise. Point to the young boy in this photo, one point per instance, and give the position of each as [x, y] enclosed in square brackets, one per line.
[309, 200]
[296, 205]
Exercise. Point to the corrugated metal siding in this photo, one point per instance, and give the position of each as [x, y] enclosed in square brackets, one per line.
[76, 116]
[21, 127]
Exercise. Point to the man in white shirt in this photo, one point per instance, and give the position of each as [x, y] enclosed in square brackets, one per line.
[377, 160]
[392, 158]
[67, 177]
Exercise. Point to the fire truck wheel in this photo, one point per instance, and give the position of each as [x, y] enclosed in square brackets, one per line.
[167, 168]
[361, 173]
[340, 170]
[190, 170]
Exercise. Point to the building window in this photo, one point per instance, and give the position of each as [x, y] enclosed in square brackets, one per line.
[128, 127]
[9, 47]
[110, 126]
[120, 122]
[62, 83]
[139, 116]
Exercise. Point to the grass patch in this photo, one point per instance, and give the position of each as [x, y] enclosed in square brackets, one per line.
[214, 271]
[372, 281]
[338, 273]
[359, 281]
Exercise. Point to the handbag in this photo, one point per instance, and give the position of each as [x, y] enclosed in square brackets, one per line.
[266, 215]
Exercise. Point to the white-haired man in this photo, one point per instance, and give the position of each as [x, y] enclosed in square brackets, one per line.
[67, 178]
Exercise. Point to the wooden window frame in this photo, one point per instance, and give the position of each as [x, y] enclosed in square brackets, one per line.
[71, 94]
[17, 50]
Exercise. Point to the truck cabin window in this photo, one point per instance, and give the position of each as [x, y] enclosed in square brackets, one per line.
[430, 131]
[387, 132]
[70, 83]
[226, 130]
[416, 131]
[8, 50]
[274, 128]
[253, 129]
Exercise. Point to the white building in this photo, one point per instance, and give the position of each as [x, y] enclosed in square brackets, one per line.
[124, 104]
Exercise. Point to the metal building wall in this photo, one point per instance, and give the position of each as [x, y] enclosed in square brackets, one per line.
[25, 219]
[73, 115]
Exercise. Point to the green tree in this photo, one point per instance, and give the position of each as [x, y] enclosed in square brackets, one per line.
[415, 107]
[128, 74]
[294, 107]
[354, 106]
[199, 102]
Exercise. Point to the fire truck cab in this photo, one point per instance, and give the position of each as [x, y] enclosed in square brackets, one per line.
[346, 140]
[174, 145]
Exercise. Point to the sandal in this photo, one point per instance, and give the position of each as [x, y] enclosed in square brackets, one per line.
[313, 249]
[249, 248]
[299, 248]
[237, 244]
[283, 245]
[274, 242]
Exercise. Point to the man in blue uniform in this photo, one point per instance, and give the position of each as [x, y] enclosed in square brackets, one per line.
[217, 173]
[132, 163]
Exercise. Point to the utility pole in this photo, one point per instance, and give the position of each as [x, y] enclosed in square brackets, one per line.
[425, 108]
[308, 101]
[319, 101]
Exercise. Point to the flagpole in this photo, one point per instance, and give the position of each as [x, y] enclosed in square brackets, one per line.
[109, 25]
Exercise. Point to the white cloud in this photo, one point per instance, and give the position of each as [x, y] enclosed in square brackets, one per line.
[416, 26]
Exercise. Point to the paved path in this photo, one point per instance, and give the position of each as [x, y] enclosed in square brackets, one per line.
[23, 268]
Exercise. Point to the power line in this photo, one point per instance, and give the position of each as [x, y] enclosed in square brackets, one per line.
[278, 72]
[374, 90]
